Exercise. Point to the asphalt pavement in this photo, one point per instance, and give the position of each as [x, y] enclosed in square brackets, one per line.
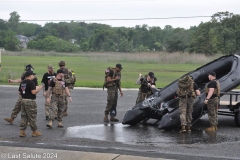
[86, 136]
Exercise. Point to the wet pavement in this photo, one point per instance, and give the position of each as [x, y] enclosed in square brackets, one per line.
[84, 130]
[146, 135]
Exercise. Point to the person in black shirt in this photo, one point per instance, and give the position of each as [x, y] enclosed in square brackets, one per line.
[27, 89]
[47, 77]
[147, 82]
[212, 93]
[17, 108]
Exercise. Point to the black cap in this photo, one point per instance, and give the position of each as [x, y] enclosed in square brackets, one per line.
[29, 72]
[60, 71]
[212, 73]
[151, 74]
[119, 66]
[29, 67]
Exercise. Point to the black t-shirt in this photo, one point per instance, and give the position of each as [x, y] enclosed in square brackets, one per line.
[212, 84]
[52, 83]
[25, 87]
[47, 78]
[34, 80]
[195, 86]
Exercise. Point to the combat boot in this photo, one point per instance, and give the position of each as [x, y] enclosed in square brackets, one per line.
[22, 133]
[36, 133]
[216, 128]
[60, 125]
[9, 120]
[183, 129]
[188, 128]
[211, 129]
[49, 124]
[112, 119]
[106, 118]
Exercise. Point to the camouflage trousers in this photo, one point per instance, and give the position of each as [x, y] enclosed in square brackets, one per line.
[212, 107]
[185, 110]
[57, 105]
[142, 96]
[66, 102]
[17, 107]
[46, 106]
[28, 114]
[112, 101]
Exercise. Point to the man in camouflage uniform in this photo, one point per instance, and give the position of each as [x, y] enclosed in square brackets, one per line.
[146, 83]
[17, 108]
[212, 93]
[59, 90]
[28, 91]
[68, 78]
[113, 80]
[186, 101]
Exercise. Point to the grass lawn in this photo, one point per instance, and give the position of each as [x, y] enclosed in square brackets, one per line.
[89, 67]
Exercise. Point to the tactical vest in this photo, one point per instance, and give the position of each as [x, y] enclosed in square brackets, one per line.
[216, 91]
[110, 84]
[144, 85]
[59, 88]
[186, 87]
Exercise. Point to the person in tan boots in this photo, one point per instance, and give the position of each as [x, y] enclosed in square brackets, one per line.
[187, 92]
[113, 84]
[17, 108]
[27, 89]
[59, 90]
[212, 93]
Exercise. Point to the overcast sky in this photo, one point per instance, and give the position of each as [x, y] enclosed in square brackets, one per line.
[85, 10]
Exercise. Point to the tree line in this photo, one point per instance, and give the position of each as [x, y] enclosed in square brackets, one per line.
[220, 35]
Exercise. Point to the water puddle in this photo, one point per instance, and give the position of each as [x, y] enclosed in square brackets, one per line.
[145, 135]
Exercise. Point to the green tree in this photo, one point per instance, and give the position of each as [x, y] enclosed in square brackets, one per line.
[11, 42]
[28, 29]
[13, 21]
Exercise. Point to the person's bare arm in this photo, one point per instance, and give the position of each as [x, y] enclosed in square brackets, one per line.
[14, 80]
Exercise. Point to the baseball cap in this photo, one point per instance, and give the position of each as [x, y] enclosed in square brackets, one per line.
[29, 67]
[212, 73]
[29, 72]
[60, 71]
[119, 66]
[62, 63]
[151, 74]
[50, 66]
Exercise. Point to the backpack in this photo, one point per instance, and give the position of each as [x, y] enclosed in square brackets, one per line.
[107, 72]
[70, 75]
[186, 87]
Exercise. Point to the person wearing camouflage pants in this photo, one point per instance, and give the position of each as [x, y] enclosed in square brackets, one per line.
[212, 93]
[113, 85]
[28, 91]
[17, 108]
[186, 106]
[147, 82]
[59, 91]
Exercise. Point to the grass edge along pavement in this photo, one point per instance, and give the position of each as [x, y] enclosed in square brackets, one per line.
[89, 68]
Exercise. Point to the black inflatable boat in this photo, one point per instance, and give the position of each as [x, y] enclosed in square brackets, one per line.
[163, 104]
